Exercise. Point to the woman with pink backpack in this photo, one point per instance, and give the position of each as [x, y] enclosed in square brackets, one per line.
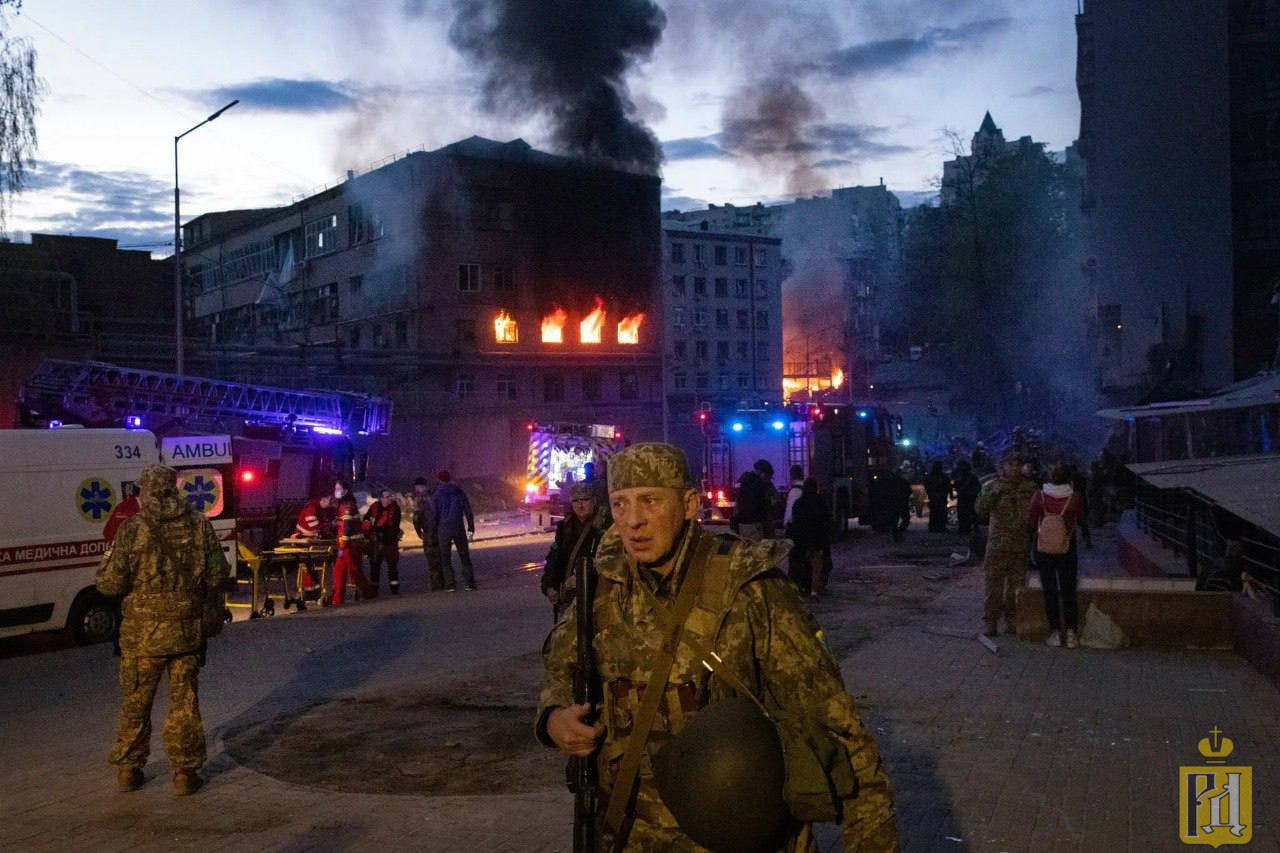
[1055, 515]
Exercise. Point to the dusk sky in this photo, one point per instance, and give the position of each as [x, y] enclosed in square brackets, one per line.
[330, 87]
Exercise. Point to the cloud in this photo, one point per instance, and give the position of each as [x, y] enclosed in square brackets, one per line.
[873, 57]
[693, 148]
[840, 138]
[1035, 92]
[833, 163]
[64, 198]
[279, 94]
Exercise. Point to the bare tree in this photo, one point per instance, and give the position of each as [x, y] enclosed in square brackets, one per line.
[20, 92]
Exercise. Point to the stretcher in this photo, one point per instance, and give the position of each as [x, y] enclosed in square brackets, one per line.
[303, 568]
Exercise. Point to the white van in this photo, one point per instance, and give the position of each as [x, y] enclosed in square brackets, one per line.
[57, 488]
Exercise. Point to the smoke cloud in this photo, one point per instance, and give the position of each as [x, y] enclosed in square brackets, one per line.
[567, 59]
[766, 122]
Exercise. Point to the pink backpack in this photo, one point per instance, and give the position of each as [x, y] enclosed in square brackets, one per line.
[1052, 536]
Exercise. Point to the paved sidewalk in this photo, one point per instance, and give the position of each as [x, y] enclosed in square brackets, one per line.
[1034, 749]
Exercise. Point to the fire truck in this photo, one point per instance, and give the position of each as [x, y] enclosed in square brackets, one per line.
[843, 445]
[248, 456]
[559, 453]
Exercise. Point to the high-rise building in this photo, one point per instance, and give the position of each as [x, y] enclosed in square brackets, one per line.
[481, 286]
[1180, 138]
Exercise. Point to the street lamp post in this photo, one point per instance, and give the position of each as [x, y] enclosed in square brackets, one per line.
[177, 242]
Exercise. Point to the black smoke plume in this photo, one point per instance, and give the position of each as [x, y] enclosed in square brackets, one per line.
[766, 122]
[566, 59]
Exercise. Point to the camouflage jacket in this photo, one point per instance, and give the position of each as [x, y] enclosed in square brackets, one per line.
[1008, 503]
[162, 602]
[767, 639]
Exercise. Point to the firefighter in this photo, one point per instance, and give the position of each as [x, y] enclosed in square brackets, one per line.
[351, 543]
[383, 522]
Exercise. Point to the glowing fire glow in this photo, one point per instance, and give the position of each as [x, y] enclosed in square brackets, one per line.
[837, 378]
[553, 326]
[504, 328]
[589, 329]
[629, 329]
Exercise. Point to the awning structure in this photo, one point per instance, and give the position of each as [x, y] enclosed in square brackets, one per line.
[1245, 486]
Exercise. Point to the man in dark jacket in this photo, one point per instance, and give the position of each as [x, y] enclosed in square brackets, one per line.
[937, 485]
[383, 519]
[754, 506]
[576, 536]
[450, 511]
[967, 487]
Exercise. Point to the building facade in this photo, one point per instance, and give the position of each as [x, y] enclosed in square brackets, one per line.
[722, 310]
[965, 172]
[1180, 137]
[481, 287]
[842, 259]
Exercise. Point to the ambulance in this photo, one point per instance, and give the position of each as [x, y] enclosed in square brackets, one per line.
[57, 489]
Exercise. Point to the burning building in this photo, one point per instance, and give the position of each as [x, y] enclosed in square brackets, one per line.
[481, 286]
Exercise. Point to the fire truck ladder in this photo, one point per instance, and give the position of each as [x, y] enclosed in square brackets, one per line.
[99, 392]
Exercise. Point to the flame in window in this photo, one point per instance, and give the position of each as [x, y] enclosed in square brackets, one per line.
[589, 329]
[837, 378]
[629, 329]
[504, 328]
[553, 326]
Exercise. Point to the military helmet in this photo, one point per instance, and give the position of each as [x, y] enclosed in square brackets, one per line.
[722, 776]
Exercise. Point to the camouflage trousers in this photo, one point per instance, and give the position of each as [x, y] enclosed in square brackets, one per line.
[1006, 573]
[183, 728]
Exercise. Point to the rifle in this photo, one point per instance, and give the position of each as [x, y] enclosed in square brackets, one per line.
[586, 690]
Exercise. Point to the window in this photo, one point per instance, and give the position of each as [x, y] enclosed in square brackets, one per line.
[762, 256]
[699, 253]
[503, 279]
[677, 284]
[722, 255]
[740, 288]
[591, 386]
[744, 319]
[762, 319]
[677, 253]
[744, 349]
[722, 287]
[402, 332]
[353, 337]
[553, 388]
[722, 382]
[762, 289]
[722, 350]
[355, 283]
[700, 318]
[677, 318]
[762, 350]
[506, 387]
[680, 380]
[379, 339]
[722, 319]
[700, 381]
[700, 349]
[744, 381]
[464, 385]
[321, 236]
[256, 258]
[363, 224]
[681, 348]
[468, 278]
[699, 286]
[322, 304]
[629, 385]
[740, 255]
[464, 332]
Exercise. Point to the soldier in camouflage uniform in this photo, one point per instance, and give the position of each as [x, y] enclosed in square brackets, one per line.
[167, 563]
[758, 624]
[1007, 500]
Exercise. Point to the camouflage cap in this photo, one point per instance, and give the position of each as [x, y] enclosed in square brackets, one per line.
[649, 464]
[582, 492]
[158, 478]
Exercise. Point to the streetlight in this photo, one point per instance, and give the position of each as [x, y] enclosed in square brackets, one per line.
[177, 238]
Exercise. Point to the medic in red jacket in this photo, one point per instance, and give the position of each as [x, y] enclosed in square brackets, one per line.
[315, 520]
[350, 547]
[123, 511]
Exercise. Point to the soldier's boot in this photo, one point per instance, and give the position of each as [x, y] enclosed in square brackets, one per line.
[186, 783]
[128, 779]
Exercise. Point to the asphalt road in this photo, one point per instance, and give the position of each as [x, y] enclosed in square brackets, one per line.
[497, 562]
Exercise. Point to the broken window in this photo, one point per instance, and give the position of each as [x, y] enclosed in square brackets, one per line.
[321, 236]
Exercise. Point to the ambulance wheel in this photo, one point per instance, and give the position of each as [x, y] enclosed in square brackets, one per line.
[92, 618]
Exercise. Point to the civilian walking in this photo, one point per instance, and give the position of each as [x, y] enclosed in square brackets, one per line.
[451, 510]
[1055, 516]
[810, 530]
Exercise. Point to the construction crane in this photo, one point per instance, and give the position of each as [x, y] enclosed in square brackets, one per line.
[99, 394]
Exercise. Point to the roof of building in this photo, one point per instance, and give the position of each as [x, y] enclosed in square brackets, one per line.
[1245, 486]
[988, 124]
[1255, 391]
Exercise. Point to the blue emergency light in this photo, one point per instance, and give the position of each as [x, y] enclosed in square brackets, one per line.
[737, 426]
[778, 425]
[862, 414]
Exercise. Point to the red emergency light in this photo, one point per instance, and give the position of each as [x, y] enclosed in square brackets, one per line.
[247, 475]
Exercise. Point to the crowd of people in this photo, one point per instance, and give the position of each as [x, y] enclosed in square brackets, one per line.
[441, 515]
